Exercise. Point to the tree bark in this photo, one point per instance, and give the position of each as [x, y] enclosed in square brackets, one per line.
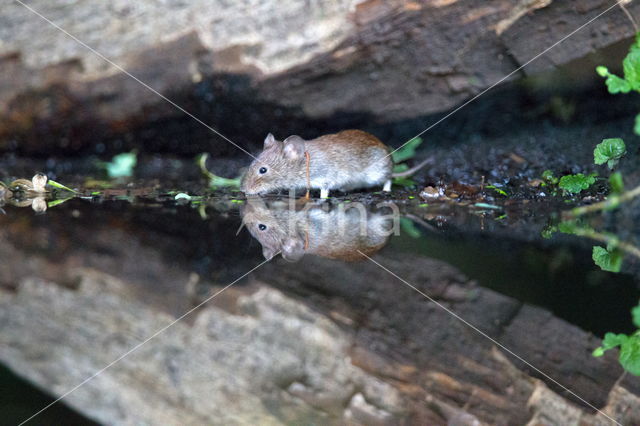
[246, 69]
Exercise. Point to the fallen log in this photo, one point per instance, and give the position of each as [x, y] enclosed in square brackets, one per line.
[247, 70]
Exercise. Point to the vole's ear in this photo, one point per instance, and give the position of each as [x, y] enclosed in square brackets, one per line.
[270, 141]
[268, 252]
[294, 147]
[293, 249]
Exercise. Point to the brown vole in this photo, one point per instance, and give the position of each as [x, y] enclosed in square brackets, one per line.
[347, 160]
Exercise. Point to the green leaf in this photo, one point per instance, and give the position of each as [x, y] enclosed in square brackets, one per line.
[60, 186]
[568, 226]
[636, 127]
[602, 71]
[404, 181]
[548, 176]
[611, 340]
[616, 84]
[487, 206]
[635, 315]
[548, 231]
[399, 168]
[122, 165]
[407, 152]
[609, 151]
[221, 181]
[498, 190]
[576, 183]
[630, 354]
[616, 183]
[607, 260]
[631, 67]
[57, 202]
[409, 228]
[214, 180]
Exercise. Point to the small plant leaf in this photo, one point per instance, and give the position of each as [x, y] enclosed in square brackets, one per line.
[636, 127]
[407, 152]
[610, 261]
[60, 186]
[602, 71]
[611, 340]
[616, 84]
[635, 315]
[214, 180]
[631, 67]
[576, 183]
[630, 354]
[122, 165]
[609, 151]
[399, 168]
[224, 182]
[548, 176]
[569, 226]
[616, 183]
[498, 190]
[404, 181]
[548, 231]
[57, 202]
[409, 228]
[487, 206]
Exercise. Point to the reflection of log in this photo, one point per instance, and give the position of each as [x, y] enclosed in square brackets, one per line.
[384, 60]
[418, 343]
[315, 342]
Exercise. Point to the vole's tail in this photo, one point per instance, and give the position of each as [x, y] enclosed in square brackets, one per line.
[414, 169]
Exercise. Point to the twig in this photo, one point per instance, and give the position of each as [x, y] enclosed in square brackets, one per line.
[611, 202]
[421, 222]
[620, 379]
[629, 15]
[604, 238]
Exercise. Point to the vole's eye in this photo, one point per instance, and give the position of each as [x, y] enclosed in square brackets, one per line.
[262, 227]
[262, 170]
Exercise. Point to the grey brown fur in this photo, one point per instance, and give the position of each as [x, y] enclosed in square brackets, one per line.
[347, 160]
[340, 233]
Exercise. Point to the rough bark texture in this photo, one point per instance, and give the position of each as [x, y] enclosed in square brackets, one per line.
[271, 63]
[295, 344]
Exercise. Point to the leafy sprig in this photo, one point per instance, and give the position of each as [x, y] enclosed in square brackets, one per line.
[577, 183]
[609, 151]
[629, 345]
[630, 81]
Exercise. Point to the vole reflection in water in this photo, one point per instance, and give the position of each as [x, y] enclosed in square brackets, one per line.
[335, 232]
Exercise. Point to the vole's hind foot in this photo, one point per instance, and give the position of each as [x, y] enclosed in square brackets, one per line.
[387, 186]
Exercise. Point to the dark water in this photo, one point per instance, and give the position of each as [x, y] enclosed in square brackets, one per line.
[20, 399]
[153, 243]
